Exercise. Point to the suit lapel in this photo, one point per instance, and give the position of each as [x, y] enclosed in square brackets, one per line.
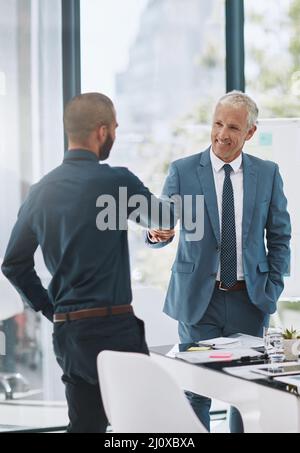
[249, 184]
[207, 183]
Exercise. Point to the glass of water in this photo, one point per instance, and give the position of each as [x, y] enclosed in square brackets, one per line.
[273, 343]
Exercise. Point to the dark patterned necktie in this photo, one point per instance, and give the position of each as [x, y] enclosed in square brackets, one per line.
[228, 241]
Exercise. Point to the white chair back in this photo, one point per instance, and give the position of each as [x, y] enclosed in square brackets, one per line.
[139, 396]
[10, 301]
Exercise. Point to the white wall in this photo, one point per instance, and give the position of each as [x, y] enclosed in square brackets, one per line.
[279, 140]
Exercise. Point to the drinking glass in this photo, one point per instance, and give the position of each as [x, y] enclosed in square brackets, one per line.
[273, 343]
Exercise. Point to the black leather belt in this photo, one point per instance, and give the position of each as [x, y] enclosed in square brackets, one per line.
[92, 313]
[240, 285]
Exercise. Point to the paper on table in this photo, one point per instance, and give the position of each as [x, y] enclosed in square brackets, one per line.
[245, 371]
[221, 342]
[249, 341]
[291, 380]
[204, 357]
[173, 352]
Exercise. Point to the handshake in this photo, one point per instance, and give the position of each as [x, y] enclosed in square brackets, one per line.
[160, 235]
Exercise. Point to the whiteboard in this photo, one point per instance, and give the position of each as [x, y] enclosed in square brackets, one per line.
[278, 140]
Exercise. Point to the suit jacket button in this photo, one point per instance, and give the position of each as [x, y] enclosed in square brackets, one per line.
[218, 248]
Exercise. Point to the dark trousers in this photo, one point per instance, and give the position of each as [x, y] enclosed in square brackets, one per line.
[77, 345]
[227, 313]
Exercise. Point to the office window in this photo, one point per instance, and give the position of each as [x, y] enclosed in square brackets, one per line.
[31, 144]
[272, 41]
[163, 64]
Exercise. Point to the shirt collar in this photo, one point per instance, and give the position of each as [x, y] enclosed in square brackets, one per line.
[80, 154]
[218, 164]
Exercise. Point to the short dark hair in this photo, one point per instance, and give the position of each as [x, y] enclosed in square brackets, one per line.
[84, 113]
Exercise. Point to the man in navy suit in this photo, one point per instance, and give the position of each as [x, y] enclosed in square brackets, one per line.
[85, 249]
[230, 280]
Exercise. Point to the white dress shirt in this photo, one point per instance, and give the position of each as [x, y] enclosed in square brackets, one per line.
[238, 194]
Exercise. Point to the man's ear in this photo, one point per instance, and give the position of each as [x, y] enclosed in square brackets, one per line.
[102, 133]
[251, 132]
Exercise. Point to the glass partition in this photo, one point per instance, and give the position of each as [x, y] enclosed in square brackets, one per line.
[163, 64]
[31, 144]
[272, 47]
[272, 50]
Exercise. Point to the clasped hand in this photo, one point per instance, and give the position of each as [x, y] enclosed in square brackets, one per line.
[161, 235]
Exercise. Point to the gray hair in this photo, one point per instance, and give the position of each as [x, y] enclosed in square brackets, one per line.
[238, 98]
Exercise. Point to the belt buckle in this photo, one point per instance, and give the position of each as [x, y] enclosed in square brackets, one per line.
[222, 289]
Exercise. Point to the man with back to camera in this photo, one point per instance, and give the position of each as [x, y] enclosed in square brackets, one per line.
[228, 282]
[90, 292]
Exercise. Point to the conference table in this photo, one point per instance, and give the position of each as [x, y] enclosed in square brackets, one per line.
[266, 405]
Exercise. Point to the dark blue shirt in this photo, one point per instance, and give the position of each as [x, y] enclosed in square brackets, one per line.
[89, 267]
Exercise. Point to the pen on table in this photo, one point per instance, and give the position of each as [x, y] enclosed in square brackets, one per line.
[207, 345]
[248, 358]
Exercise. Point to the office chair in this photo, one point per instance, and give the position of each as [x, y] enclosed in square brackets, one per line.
[10, 301]
[139, 396]
[10, 305]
